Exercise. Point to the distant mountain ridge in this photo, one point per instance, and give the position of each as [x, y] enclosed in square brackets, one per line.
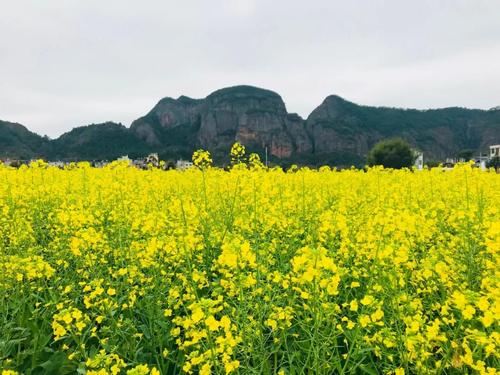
[16, 141]
[337, 132]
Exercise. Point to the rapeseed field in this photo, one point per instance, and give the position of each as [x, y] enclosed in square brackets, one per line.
[248, 271]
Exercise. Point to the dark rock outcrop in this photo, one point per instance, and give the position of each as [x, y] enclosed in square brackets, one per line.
[252, 116]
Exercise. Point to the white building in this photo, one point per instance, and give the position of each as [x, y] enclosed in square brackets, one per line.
[494, 151]
[183, 164]
[419, 160]
[58, 164]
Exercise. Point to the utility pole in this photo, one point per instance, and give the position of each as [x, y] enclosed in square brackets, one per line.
[266, 156]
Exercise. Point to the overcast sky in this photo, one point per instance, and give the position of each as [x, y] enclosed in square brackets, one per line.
[66, 63]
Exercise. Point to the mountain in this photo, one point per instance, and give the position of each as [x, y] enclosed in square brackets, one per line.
[106, 141]
[337, 132]
[18, 142]
[253, 116]
[339, 127]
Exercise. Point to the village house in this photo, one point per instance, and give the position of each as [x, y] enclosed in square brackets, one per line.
[494, 151]
[183, 164]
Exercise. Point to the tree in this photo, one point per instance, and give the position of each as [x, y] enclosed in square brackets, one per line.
[466, 154]
[392, 153]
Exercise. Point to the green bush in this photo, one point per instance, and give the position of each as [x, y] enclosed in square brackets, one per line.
[392, 153]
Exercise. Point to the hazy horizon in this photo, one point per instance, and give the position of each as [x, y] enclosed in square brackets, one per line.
[67, 63]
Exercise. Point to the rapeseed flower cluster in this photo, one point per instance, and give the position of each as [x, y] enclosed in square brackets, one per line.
[252, 270]
[202, 159]
[238, 153]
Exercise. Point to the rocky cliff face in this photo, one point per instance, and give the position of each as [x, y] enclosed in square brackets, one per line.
[339, 127]
[337, 132]
[252, 116]
[335, 129]
[165, 117]
[248, 115]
